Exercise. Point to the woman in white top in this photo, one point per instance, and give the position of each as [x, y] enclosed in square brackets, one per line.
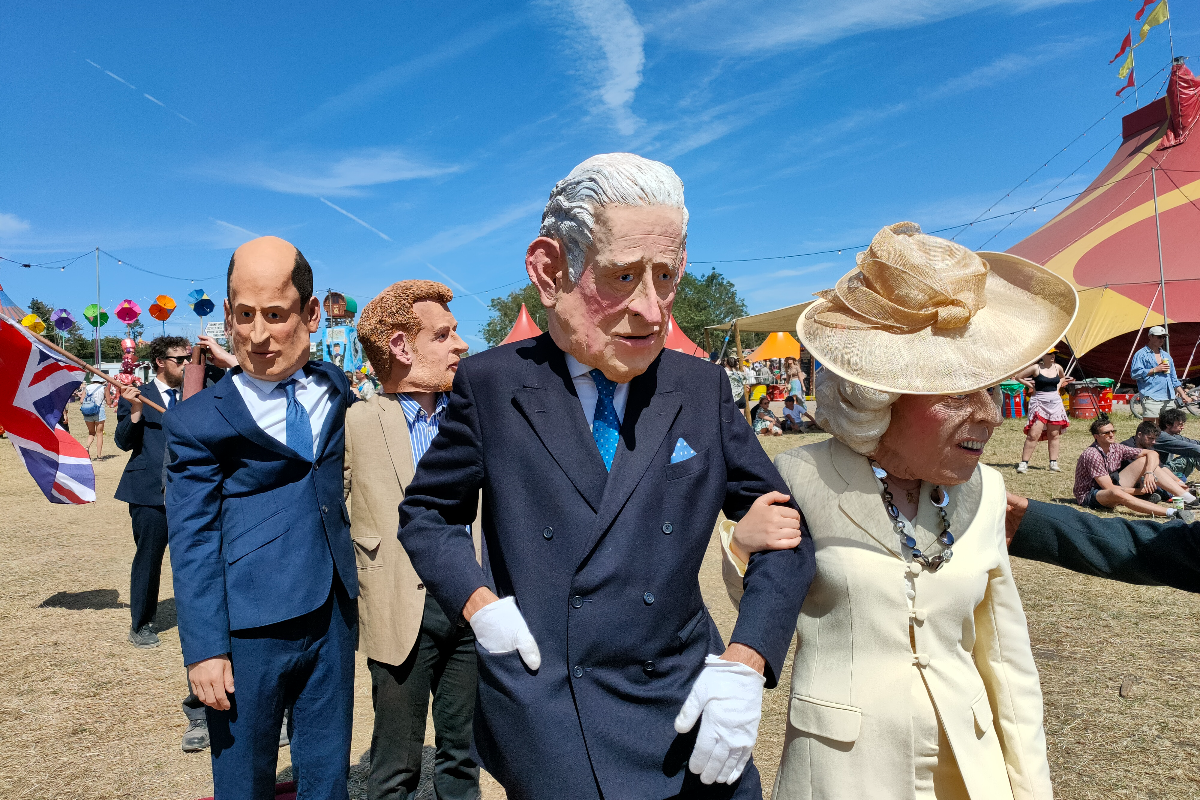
[914, 676]
[94, 402]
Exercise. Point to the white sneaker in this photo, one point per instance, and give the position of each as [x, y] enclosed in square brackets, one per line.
[1022, 468]
[1054, 467]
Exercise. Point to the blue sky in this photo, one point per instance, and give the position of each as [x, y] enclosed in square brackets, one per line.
[414, 141]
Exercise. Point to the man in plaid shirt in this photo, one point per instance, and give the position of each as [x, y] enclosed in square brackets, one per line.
[1109, 474]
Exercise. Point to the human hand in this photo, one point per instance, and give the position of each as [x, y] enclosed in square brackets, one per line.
[768, 525]
[218, 355]
[727, 699]
[133, 396]
[212, 681]
[1149, 483]
[1013, 514]
[500, 628]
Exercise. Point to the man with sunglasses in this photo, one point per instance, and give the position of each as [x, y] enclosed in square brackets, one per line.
[1110, 474]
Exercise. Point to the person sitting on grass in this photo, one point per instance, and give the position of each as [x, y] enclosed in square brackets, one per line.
[794, 414]
[1178, 453]
[1109, 474]
[765, 421]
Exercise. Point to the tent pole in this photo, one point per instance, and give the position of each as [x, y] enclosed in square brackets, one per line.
[737, 344]
[1139, 335]
[707, 347]
[1192, 356]
[1162, 280]
[98, 309]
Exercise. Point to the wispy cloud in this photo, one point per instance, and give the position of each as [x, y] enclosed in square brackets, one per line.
[342, 175]
[750, 26]
[382, 82]
[1003, 68]
[459, 235]
[614, 31]
[341, 210]
[230, 235]
[11, 225]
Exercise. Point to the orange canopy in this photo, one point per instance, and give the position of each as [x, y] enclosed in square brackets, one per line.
[778, 345]
[678, 340]
[523, 328]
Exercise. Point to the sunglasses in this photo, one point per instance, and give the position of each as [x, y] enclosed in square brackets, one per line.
[177, 359]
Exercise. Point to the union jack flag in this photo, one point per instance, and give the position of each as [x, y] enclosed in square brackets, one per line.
[35, 385]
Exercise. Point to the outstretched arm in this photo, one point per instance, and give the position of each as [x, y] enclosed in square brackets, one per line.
[1127, 550]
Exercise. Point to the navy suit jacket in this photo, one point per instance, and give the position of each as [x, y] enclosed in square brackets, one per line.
[256, 530]
[1129, 550]
[142, 481]
[604, 566]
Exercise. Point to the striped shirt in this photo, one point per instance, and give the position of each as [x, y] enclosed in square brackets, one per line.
[422, 427]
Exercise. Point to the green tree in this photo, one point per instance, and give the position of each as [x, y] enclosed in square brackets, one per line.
[505, 310]
[710, 300]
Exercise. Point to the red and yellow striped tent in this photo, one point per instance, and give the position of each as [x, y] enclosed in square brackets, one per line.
[1106, 242]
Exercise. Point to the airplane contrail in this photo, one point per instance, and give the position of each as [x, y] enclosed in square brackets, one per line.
[154, 100]
[356, 219]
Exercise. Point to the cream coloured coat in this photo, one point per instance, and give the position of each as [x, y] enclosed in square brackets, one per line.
[850, 714]
[378, 467]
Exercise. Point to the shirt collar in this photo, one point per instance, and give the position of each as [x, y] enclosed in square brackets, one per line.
[162, 387]
[266, 387]
[412, 409]
[577, 369]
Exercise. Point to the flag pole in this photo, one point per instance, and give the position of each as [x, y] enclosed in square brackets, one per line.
[98, 309]
[1162, 280]
[88, 367]
[1133, 70]
[1170, 34]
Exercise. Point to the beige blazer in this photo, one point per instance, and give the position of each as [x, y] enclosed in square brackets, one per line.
[378, 468]
[850, 715]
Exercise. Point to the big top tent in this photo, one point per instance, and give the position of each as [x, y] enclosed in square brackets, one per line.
[10, 309]
[1106, 242]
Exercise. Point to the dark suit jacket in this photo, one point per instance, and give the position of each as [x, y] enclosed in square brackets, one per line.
[255, 529]
[1128, 550]
[142, 481]
[604, 566]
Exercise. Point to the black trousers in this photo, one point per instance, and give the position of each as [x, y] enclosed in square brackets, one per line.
[150, 538]
[442, 662]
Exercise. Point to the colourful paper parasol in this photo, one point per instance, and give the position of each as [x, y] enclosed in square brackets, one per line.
[128, 312]
[62, 319]
[34, 323]
[162, 308]
[201, 304]
[96, 315]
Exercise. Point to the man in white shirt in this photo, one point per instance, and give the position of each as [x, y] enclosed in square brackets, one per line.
[265, 579]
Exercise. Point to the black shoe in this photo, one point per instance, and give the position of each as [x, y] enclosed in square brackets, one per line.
[1156, 497]
[144, 638]
[195, 738]
[284, 740]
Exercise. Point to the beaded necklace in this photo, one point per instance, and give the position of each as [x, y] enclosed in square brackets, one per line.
[946, 539]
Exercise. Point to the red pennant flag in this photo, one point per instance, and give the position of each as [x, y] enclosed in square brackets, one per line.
[1127, 41]
[1128, 84]
[1142, 10]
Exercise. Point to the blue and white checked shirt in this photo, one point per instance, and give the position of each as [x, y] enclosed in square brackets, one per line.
[1160, 385]
[422, 427]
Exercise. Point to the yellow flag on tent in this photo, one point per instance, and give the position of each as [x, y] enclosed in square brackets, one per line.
[1157, 17]
[1128, 65]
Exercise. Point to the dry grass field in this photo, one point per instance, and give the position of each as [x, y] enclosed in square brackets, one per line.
[85, 715]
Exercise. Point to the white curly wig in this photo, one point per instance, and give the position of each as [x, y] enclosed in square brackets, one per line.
[851, 413]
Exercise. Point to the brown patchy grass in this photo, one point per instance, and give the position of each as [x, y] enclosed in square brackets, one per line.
[85, 715]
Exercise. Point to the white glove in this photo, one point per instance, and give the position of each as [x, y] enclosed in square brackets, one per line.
[500, 628]
[730, 696]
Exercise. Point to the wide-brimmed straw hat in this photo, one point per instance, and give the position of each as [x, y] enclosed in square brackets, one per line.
[924, 315]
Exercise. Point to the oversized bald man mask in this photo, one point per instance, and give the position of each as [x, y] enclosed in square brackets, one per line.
[612, 248]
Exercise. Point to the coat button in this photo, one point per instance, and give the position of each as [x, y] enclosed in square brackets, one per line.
[576, 602]
[577, 672]
[324, 509]
[667, 527]
[548, 533]
[648, 667]
[923, 659]
[420, 586]
[649, 598]
[914, 569]
[919, 614]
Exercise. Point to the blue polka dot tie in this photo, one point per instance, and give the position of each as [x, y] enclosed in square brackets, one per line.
[605, 425]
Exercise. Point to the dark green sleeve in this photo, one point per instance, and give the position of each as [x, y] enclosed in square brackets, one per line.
[1127, 550]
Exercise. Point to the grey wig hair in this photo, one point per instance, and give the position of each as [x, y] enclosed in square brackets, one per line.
[613, 178]
[851, 413]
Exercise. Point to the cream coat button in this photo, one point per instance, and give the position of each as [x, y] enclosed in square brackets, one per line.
[919, 614]
[914, 569]
[910, 594]
[923, 659]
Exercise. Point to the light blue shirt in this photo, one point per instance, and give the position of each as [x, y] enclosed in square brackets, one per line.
[1160, 385]
[422, 427]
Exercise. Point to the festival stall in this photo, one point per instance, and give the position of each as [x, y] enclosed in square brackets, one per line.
[1127, 243]
[781, 320]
